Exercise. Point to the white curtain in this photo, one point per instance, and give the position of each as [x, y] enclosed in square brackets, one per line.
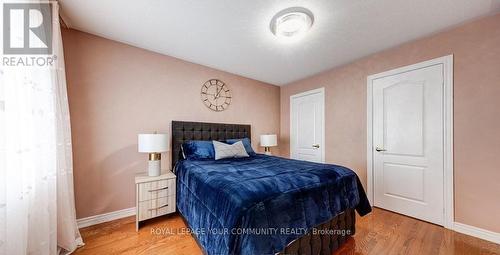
[37, 209]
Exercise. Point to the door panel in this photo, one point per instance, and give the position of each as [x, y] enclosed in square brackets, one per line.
[411, 176]
[307, 125]
[305, 128]
[403, 118]
[408, 143]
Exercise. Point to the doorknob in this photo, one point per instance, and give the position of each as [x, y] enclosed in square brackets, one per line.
[379, 149]
[316, 146]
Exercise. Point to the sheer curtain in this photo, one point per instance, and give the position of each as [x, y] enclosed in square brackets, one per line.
[37, 209]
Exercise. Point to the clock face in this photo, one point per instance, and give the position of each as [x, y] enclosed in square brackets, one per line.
[216, 95]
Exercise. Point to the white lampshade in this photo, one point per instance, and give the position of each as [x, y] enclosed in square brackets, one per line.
[150, 143]
[268, 140]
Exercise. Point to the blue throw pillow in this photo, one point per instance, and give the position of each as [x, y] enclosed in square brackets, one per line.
[246, 144]
[194, 150]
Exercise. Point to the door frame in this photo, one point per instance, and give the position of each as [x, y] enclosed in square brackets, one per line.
[321, 91]
[448, 191]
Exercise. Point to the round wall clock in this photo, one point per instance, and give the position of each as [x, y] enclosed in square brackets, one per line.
[216, 95]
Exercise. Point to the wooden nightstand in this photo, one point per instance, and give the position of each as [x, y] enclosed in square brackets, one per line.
[155, 196]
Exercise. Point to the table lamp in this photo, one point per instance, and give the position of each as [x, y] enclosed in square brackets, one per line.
[154, 144]
[268, 141]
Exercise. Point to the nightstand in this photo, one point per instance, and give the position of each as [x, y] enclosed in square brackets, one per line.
[155, 196]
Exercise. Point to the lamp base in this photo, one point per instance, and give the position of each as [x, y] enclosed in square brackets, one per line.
[267, 151]
[154, 168]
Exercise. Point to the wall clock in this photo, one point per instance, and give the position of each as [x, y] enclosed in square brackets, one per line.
[216, 95]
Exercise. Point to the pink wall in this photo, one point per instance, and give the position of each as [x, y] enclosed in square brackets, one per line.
[117, 91]
[476, 49]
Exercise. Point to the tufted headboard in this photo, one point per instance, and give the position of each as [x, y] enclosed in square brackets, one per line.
[184, 131]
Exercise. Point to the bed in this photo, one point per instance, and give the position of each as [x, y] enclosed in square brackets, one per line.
[263, 204]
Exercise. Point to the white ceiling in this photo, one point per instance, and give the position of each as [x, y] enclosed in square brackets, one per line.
[234, 35]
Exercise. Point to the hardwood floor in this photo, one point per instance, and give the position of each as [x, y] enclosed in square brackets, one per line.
[381, 232]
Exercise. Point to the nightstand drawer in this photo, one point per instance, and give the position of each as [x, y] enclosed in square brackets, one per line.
[154, 196]
[156, 207]
[156, 189]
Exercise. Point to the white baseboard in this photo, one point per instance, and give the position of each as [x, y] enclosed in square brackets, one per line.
[477, 232]
[101, 218]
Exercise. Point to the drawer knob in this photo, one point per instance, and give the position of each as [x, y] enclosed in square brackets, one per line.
[158, 207]
[153, 190]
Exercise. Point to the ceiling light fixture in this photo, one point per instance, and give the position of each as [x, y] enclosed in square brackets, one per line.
[291, 22]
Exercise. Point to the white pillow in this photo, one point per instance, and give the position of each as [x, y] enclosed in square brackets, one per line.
[224, 150]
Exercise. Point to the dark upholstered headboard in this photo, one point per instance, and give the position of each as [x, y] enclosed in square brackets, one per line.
[184, 131]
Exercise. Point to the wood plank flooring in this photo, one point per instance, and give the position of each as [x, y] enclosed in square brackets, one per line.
[382, 232]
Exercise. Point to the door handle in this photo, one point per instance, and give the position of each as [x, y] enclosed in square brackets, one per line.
[316, 146]
[380, 149]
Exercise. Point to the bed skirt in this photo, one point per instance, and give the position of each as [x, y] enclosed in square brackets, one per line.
[325, 238]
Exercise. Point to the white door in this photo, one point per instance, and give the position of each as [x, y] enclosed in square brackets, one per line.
[307, 125]
[408, 143]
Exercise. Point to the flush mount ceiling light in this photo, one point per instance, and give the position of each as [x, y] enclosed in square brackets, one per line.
[291, 22]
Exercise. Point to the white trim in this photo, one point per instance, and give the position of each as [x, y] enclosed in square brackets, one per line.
[477, 232]
[447, 62]
[309, 92]
[449, 191]
[369, 142]
[101, 218]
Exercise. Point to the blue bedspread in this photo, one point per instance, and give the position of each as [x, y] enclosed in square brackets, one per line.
[258, 205]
